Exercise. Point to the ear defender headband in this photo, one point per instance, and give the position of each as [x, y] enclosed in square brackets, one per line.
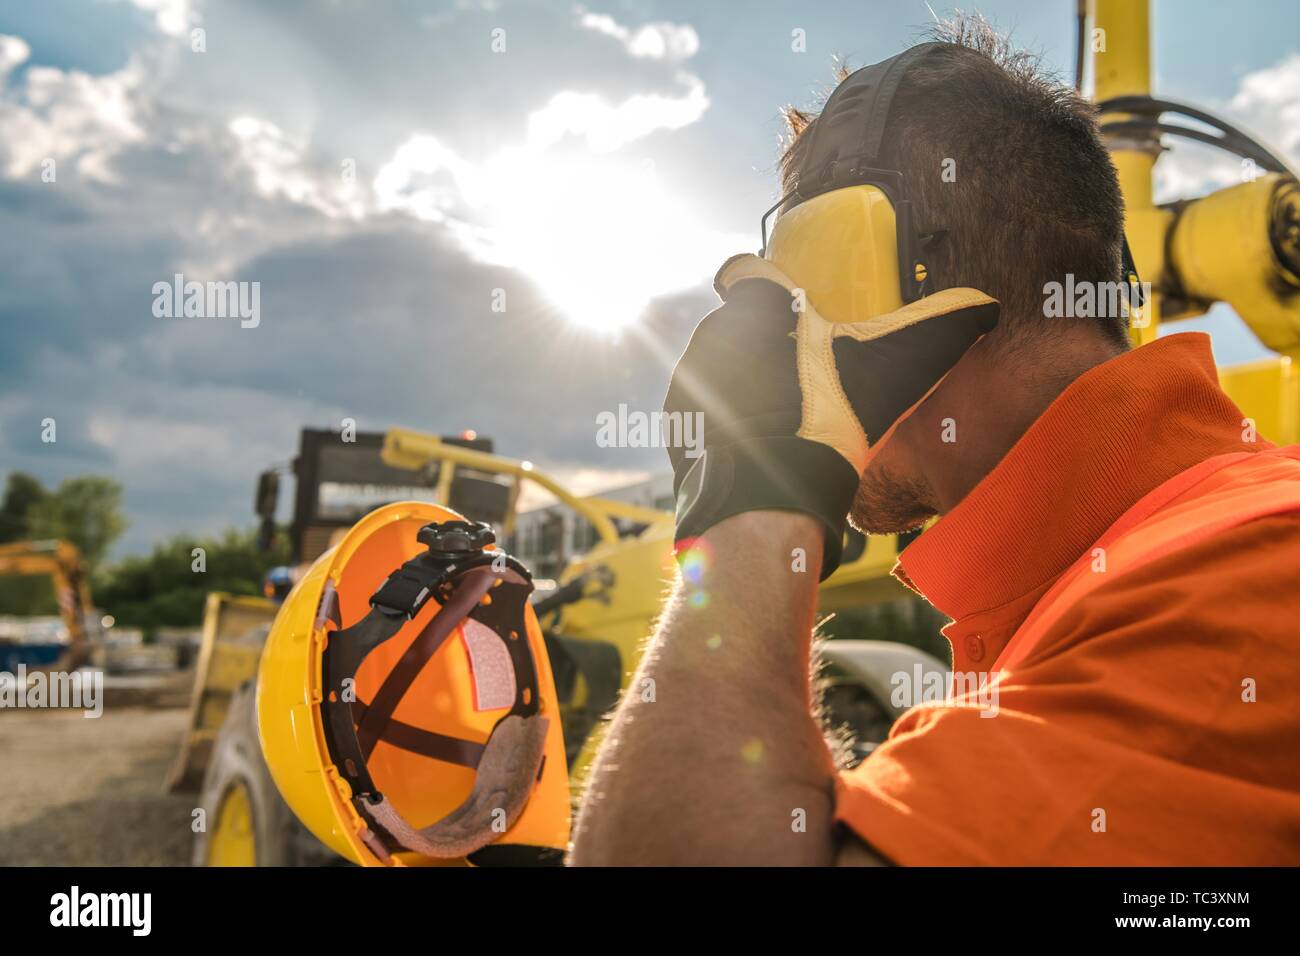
[844, 150]
[471, 584]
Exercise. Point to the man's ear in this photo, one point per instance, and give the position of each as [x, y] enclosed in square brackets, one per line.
[852, 851]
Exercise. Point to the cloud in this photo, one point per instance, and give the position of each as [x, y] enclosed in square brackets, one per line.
[606, 126]
[609, 126]
[653, 41]
[275, 162]
[171, 17]
[220, 188]
[14, 51]
[427, 179]
[46, 113]
[1266, 105]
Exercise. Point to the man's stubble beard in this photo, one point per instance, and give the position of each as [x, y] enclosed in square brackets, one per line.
[889, 501]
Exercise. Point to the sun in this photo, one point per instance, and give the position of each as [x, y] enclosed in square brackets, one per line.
[601, 236]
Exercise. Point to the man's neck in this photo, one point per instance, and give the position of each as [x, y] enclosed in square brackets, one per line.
[988, 402]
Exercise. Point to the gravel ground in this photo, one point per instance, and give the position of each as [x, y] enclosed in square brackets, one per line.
[89, 792]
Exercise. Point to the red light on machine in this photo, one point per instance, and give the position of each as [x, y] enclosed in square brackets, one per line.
[469, 434]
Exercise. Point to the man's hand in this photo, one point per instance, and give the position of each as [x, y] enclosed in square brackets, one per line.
[792, 403]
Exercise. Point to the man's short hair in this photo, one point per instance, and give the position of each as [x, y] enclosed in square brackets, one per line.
[1033, 194]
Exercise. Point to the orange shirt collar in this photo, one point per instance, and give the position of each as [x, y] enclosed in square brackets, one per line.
[1118, 431]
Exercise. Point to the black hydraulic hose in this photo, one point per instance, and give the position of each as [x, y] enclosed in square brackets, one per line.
[1234, 140]
[1247, 149]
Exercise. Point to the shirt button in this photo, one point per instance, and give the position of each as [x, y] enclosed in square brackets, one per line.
[975, 648]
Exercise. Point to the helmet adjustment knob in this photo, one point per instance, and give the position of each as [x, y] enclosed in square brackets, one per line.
[456, 537]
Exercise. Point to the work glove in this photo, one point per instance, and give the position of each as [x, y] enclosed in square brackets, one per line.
[791, 404]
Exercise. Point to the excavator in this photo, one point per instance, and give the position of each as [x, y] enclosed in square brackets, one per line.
[1238, 245]
[62, 563]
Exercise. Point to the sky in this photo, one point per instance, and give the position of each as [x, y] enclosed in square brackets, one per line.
[483, 214]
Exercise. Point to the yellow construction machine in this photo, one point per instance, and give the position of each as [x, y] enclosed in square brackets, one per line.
[61, 562]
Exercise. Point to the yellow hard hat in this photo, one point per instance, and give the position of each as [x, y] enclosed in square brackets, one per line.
[426, 731]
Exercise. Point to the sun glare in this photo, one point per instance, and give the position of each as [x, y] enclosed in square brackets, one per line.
[600, 236]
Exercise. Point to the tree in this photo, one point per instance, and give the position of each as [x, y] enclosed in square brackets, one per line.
[166, 589]
[22, 491]
[86, 510]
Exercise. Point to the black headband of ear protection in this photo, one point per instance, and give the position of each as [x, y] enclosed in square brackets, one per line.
[844, 150]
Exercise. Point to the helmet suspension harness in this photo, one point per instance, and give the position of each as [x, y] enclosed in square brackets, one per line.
[458, 573]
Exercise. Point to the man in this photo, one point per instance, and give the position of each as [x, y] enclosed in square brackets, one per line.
[1118, 550]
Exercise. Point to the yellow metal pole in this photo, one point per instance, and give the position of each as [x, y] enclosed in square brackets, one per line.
[1120, 44]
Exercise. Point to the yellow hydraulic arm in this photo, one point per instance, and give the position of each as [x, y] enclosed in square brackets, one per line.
[404, 448]
[1239, 245]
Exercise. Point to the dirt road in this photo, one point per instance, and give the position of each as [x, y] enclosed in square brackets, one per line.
[90, 791]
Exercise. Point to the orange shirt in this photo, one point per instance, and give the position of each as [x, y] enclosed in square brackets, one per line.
[1128, 737]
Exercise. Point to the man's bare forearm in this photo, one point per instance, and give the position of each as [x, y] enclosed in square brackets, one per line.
[714, 755]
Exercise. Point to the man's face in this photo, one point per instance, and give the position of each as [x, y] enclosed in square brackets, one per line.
[897, 492]
[892, 494]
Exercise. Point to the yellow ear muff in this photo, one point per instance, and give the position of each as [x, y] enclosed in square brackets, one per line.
[841, 248]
